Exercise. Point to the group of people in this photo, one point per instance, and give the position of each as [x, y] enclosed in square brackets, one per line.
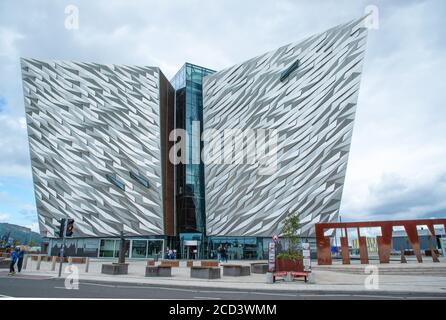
[17, 256]
[170, 254]
[222, 253]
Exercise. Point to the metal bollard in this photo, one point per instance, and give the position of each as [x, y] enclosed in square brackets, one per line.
[39, 261]
[53, 263]
[25, 261]
[87, 264]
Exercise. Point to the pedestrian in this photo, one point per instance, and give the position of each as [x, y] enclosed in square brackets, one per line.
[219, 249]
[224, 254]
[20, 257]
[14, 257]
[166, 255]
[170, 254]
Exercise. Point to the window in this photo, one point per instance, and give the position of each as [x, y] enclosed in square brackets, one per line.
[107, 248]
[113, 179]
[288, 71]
[140, 179]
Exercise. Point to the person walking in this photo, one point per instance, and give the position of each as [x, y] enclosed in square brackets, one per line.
[20, 256]
[219, 249]
[224, 254]
[14, 258]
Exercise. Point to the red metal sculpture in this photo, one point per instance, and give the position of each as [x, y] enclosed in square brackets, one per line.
[384, 241]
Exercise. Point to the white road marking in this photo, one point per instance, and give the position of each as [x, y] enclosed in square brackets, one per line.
[5, 297]
[208, 298]
[325, 295]
[274, 294]
[376, 296]
[162, 288]
[228, 292]
[99, 285]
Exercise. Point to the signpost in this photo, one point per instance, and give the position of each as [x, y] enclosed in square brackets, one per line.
[272, 257]
[307, 256]
[443, 246]
[62, 230]
[65, 230]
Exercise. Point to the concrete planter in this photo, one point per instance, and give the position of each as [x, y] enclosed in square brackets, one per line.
[259, 268]
[159, 271]
[209, 263]
[4, 263]
[150, 262]
[205, 273]
[236, 270]
[170, 263]
[115, 268]
[77, 260]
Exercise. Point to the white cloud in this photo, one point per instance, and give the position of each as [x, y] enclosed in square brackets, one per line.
[14, 159]
[8, 39]
[4, 217]
[34, 227]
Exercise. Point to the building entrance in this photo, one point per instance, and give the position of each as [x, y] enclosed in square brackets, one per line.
[191, 250]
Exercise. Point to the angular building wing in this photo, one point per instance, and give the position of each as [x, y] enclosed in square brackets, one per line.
[95, 142]
[308, 92]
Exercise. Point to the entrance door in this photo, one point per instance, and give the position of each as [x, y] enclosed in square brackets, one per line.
[191, 249]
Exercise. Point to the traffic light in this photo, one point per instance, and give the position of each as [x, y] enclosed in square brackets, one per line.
[61, 227]
[70, 226]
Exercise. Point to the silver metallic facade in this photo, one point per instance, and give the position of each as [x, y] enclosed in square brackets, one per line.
[87, 121]
[313, 109]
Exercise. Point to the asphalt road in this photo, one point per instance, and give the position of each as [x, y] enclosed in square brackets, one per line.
[26, 286]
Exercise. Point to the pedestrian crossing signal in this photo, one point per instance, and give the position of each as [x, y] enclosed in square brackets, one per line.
[70, 227]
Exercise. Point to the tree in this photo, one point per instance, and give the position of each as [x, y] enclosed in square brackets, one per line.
[32, 243]
[290, 233]
[15, 243]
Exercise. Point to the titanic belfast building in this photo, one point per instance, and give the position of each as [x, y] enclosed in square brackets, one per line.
[105, 139]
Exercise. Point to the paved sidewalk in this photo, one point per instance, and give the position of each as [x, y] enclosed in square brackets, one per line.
[325, 280]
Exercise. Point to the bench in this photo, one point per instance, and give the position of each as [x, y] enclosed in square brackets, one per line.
[235, 270]
[291, 274]
[259, 267]
[209, 263]
[300, 275]
[115, 268]
[158, 271]
[170, 263]
[205, 272]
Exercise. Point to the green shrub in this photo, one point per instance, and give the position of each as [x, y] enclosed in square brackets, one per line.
[287, 255]
[290, 231]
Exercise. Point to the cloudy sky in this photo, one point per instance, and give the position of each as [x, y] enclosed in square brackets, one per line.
[397, 166]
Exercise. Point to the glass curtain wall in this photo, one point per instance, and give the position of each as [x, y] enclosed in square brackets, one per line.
[190, 203]
[136, 248]
[237, 248]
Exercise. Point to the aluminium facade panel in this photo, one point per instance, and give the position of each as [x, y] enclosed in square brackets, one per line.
[308, 92]
[90, 125]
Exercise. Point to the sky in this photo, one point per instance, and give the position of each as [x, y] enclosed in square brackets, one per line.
[397, 164]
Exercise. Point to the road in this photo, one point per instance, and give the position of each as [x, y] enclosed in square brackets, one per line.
[27, 286]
